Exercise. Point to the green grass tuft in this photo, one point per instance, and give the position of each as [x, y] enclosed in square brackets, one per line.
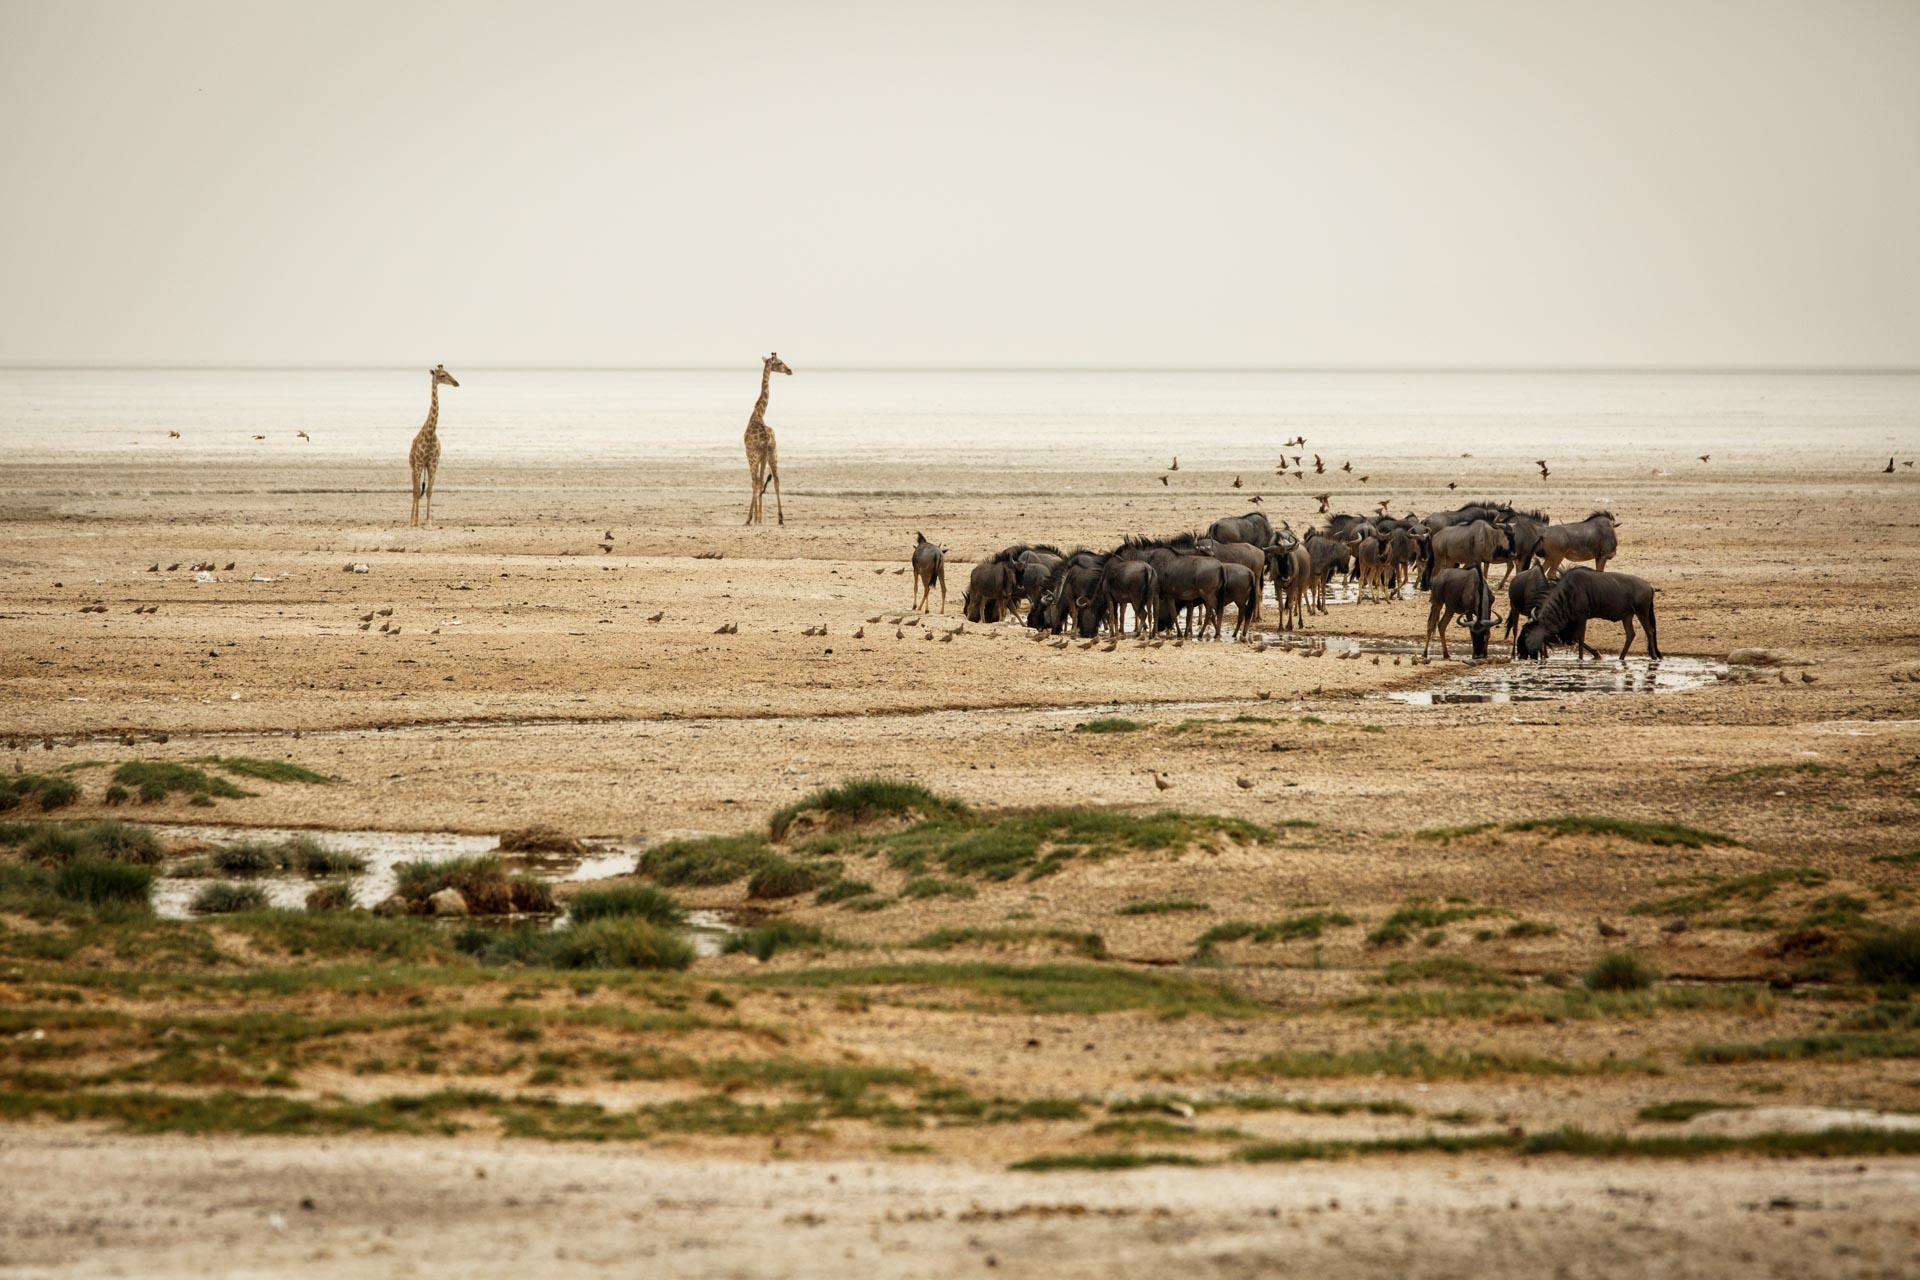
[331, 895]
[155, 780]
[1718, 891]
[778, 877]
[1048, 988]
[1090, 945]
[1619, 971]
[1664, 834]
[1887, 956]
[223, 897]
[1162, 907]
[482, 880]
[1682, 1110]
[95, 883]
[1110, 724]
[863, 800]
[615, 942]
[763, 940]
[1447, 834]
[1292, 929]
[640, 901]
[266, 770]
[1102, 1160]
[703, 861]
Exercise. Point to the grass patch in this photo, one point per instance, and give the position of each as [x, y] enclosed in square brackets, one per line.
[1040, 842]
[637, 901]
[1451, 971]
[1446, 834]
[1053, 988]
[1162, 907]
[1837, 1046]
[1619, 971]
[50, 792]
[705, 861]
[778, 877]
[223, 897]
[762, 941]
[54, 843]
[331, 895]
[1717, 892]
[1887, 957]
[1103, 1160]
[1398, 927]
[155, 780]
[1090, 945]
[841, 890]
[1685, 1109]
[1293, 928]
[615, 942]
[265, 770]
[1416, 1061]
[1767, 772]
[1664, 834]
[934, 887]
[540, 838]
[94, 883]
[1531, 929]
[1110, 724]
[1898, 859]
[864, 800]
[482, 880]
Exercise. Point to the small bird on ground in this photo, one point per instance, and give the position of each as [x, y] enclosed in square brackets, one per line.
[1783, 678]
[1907, 465]
[899, 633]
[172, 567]
[874, 618]
[1611, 931]
[947, 638]
[1346, 466]
[606, 548]
[1706, 457]
[1160, 780]
[1452, 485]
[173, 435]
[1236, 479]
[656, 617]
[1323, 498]
[1807, 677]
[1255, 499]
[1175, 465]
[1674, 926]
[1245, 784]
[727, 629]
[1163, 480]
[259, 437]
[1363, 479]
[386, 612]
[304, 436]
[229, 567]
[1061, 643]
[367, 617]
[1889, 470]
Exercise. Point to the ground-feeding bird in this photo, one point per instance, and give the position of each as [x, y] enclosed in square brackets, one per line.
[1783, 678]
[153, 568]
[606, 548]
[1907, 465]
[1452, 485]
[1610, 930]
[1163, 479]
[899, 633]
[304, 436]
[656, 617]
[1061, 643]
[1255, 499]
[1363, 479]
[1160, 780]
[386, 612]
[173, 435]
[367, 617]
[1236, 479]
[1807, 677]
[1674, 926]
[946, 639]
[1346, 466]
[1706, 457]
[1263, 694]
[259, 437]
[874, 618]
[1175, 466]
[229, 568]
[1245, 784]
[1324, 498]
[1889, 470]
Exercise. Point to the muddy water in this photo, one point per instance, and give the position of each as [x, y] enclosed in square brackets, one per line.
[1563, 678]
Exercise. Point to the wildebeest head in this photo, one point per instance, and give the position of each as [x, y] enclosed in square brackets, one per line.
[1533, 640]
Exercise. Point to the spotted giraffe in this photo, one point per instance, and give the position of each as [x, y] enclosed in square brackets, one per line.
[424, 457]
[763, 455]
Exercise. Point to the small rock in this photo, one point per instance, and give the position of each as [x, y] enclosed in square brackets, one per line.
[391, 905]
[447, 902]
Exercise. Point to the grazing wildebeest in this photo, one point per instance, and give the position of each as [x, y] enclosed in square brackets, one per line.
[1462, 592]
[1466, 544]
[929, 568]
[991, 591]
[1292, 571]
[1524, 594]
[1130, 583]
[1073, 594]
[1251, 528]
[1240, 587]
[1241, 553]
[1583, 594]
[1188, 576]
[1527, 528]
[1590, 539]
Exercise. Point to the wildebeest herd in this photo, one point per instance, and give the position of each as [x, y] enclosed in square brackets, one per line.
[1159, 585]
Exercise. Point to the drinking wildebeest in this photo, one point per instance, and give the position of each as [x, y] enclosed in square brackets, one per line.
[1251, 528]
[1188, 577]
[1590, 539]
[1524, 594]
[1292, 571]
[1073, 593]
[929, 568]
[1466, 544]
[1463, 592]
[1527, 528]
[990, 592]
[1130, 583]
[1583, 594]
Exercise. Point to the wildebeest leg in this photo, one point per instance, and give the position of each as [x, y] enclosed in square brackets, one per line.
[1600, 564]
[1627, 622]
[1580, 645]
[1433, 615]
[1445, 622]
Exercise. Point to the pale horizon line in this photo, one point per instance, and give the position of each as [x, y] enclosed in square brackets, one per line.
[1518, 369]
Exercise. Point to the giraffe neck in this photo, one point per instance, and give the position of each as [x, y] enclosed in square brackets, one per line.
[433, 412]
[766, 389]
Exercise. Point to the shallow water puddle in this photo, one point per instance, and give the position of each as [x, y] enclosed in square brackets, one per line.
[1563, 678]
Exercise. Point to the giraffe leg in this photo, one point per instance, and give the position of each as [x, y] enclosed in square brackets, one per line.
[753, 480]
[414, 485]
[778, 510]
[427, 516]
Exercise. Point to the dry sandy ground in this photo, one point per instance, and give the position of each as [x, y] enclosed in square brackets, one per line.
[526, 684]
[75, 1205]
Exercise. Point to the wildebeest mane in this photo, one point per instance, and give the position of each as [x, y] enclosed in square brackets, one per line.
[1595, 515]
[1539, 517]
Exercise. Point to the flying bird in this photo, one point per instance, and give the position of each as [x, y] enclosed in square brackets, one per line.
[259, 437]
[1346, 466]
[1541, 463]
[1319, 467]
[1706, 457]
[1452, 485]
[1363, 479]
[1163, 479]
[1324, 499]
[304, 436]
[173, 435]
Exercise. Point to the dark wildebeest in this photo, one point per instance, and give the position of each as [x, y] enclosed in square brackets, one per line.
[1462, 592]
[1019, 557]
[1491, 512]
[1292, 571]
[1188, 576]
[1406, 547]
[929, 568]
[991, 591]
[1524, 594]
[1130, 583]
[1240, 587]
[1473, 544]
[1370, 561]
[1590, 539]
[1527, 528]
[1251, 528]
[1240, 553]
[1326, 555]
[1073, 594]
[1583, 594]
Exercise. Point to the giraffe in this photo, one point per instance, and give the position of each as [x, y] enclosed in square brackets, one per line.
[763, 455]
[424, 457]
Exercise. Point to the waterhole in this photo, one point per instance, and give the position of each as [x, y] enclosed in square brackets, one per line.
[1563, 678]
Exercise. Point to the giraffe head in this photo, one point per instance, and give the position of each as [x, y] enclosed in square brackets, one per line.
[774, 364]
[441, 377]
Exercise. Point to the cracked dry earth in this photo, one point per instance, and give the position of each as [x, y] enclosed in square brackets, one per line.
[526, 684]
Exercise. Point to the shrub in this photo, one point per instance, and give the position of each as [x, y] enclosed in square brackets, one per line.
[482, 881]
[223, 897]
[539, 839]
[54, 845]
[617, 942]
[1110, 724]
[863, 800]
[842, 889]
[638, 901]
[53, 791]
[934, 887]
[762, 940]
[331, 895]
[1619, 971]
[57, 793]
[265, 770]
[245, 858]
[709, 860]
[94, 882]
[309, 857]
[1888, 957]
[123, 842]
[157, 779]
[776, 877]
[532, 894]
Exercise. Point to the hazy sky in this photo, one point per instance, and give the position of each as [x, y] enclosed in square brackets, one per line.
[1509, 182]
